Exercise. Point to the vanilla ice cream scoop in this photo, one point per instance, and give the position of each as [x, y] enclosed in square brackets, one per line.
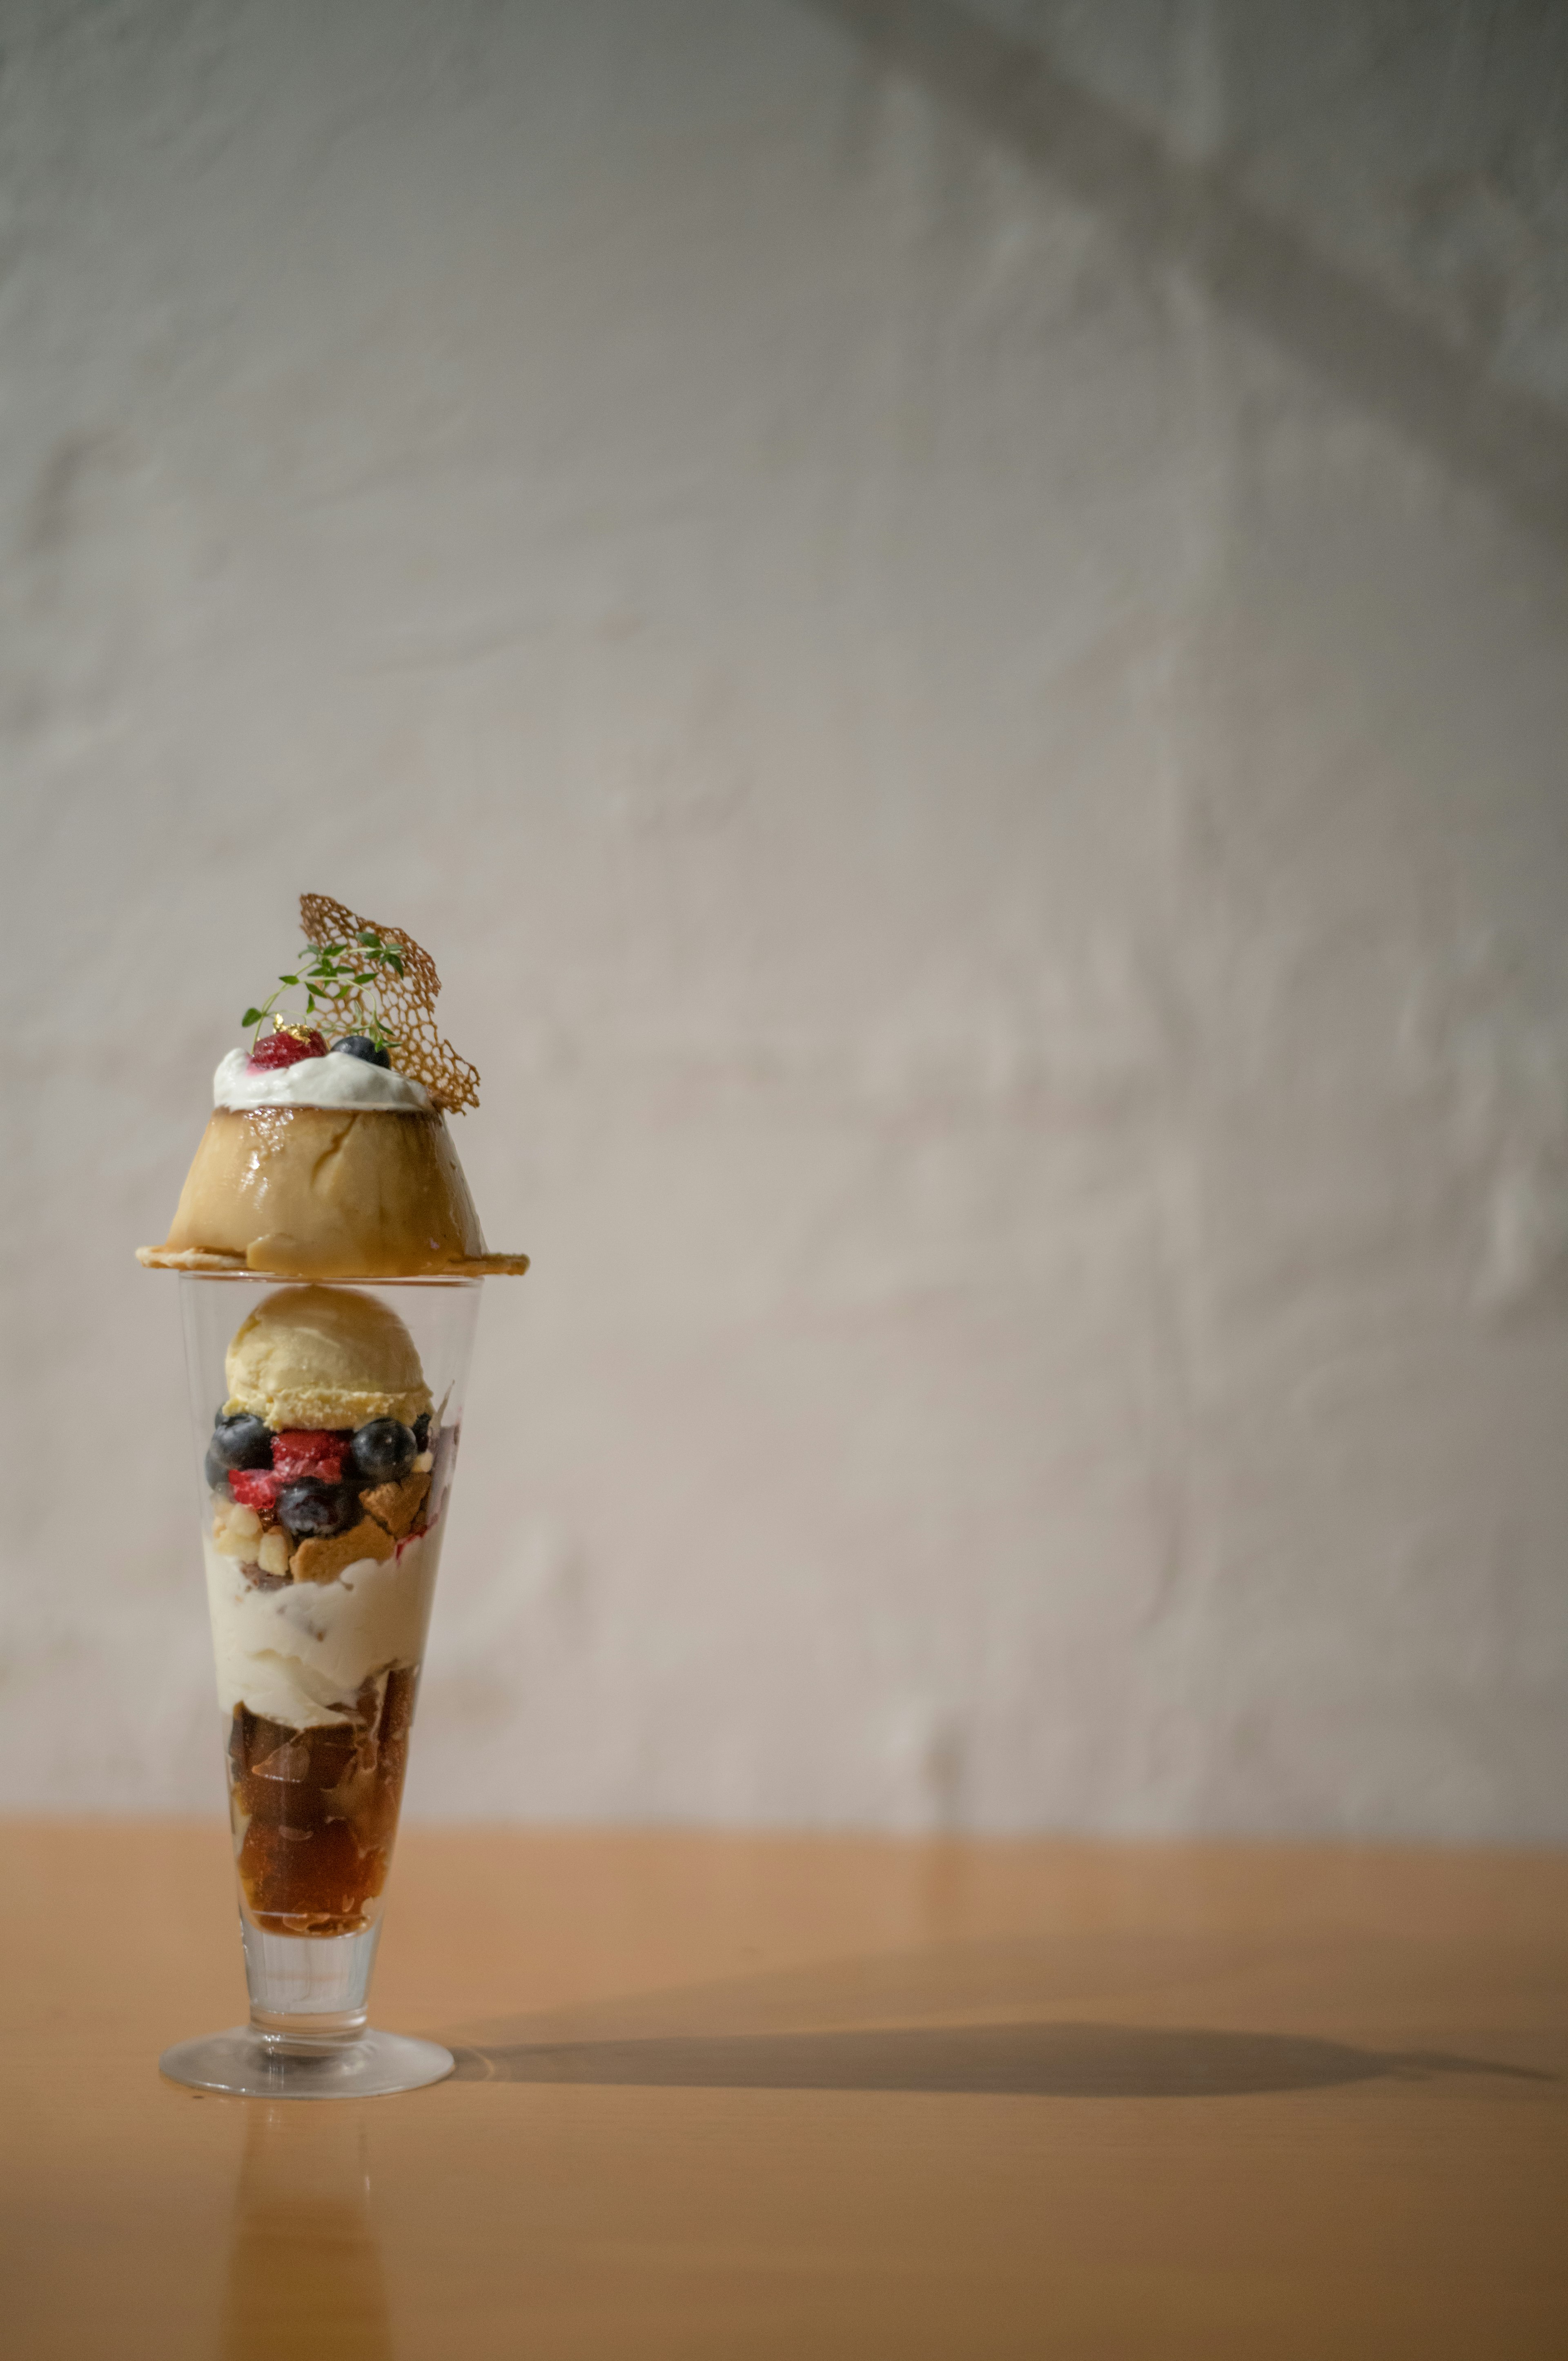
[325, 1357]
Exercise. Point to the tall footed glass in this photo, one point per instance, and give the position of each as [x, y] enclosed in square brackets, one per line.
[327, 1420]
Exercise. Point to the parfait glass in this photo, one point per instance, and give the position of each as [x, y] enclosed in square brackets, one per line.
[318, 1652]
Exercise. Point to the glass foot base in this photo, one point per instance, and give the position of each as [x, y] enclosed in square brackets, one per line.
[258, 2066]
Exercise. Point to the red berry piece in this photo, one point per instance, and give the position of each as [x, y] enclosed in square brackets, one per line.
[283, 1049]
[255, 1487]
[309, 1451]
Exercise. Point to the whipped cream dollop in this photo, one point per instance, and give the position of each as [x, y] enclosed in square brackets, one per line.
[336, 1080]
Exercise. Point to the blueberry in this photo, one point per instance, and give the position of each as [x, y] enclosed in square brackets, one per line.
[421, 1430]
[310, 1509]
[242, 1441]
[360, 1045]
[238, 1442]
[382, 1452]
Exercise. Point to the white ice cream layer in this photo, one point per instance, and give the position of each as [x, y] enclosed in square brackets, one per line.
[298, 1654]
[336, 1080]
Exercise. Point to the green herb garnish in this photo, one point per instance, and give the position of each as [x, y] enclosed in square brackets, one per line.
[341, 982]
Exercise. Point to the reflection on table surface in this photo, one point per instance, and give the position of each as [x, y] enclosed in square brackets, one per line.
[724, 2097]
[308, 2202]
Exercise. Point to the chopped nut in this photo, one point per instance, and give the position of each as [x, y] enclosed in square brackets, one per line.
[323, 1561]
[397, 1506]
[272, 1557]
[229, 1543]
[425, 1462]
[244, 1521]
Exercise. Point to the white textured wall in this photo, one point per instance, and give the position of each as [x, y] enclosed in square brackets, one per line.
[998, 833]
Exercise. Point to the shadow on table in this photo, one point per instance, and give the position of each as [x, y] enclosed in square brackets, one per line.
[1060, 2061]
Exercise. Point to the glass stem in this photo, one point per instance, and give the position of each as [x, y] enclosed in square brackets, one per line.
[310, 1988]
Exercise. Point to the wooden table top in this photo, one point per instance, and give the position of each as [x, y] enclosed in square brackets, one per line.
[765, 2096]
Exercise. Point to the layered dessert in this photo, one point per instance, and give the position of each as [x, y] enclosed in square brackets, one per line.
[328, 1470]
[327, 1163]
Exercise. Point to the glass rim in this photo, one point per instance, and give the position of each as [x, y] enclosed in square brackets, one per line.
[365, 1278]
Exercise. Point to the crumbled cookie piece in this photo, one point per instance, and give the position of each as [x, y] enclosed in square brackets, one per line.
[324, 1560]
[397, 1506]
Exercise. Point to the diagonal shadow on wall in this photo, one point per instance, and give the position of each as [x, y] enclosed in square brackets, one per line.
[1198, 218]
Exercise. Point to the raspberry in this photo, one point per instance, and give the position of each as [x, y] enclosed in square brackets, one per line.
[255, 1487]
[298, 1451]
[282, 1050]
[309, 1451]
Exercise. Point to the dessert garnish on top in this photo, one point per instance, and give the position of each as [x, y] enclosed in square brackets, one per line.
[374, 989]
[326, 1155]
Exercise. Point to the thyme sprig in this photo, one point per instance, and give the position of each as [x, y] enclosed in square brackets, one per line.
[334, 978]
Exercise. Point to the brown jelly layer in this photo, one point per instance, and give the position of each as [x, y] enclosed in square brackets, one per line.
[315, 1811]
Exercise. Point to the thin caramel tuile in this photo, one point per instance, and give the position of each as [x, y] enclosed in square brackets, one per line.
[407, 1001]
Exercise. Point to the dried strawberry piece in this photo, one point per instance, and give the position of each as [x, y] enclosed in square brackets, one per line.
[309, 1451]
[283, 1049]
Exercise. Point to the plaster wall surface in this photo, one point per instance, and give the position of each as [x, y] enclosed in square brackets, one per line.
[998, 835]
